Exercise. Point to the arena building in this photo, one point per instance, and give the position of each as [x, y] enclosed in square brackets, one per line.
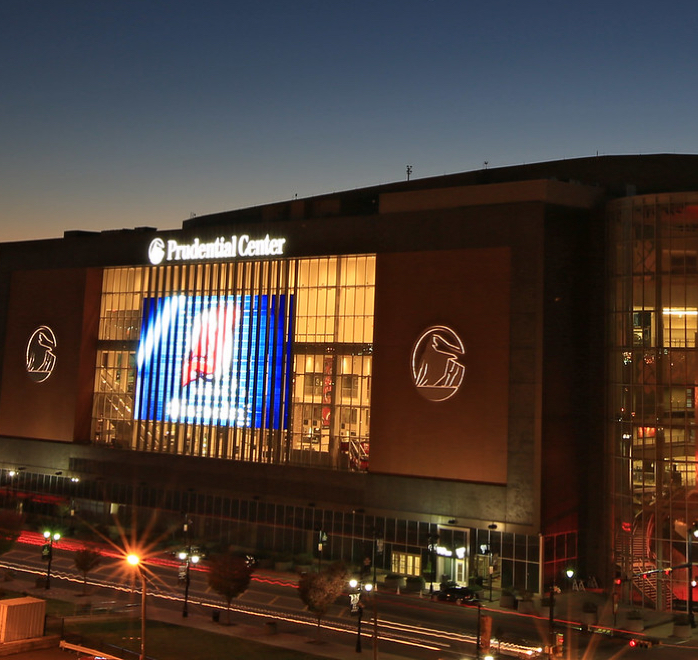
[488, 375]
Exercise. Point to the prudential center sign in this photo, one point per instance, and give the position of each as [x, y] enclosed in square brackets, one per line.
[223, 247]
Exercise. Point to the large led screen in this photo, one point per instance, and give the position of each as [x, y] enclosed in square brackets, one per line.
[219, 360]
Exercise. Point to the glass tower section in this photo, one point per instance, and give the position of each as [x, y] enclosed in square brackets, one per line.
[653, 375]
[265, 361]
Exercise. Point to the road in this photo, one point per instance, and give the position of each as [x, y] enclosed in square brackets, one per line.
[409, 626]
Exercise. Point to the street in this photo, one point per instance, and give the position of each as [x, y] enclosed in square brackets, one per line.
[409, 625]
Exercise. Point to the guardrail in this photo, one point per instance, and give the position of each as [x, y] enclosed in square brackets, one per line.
[67, 646]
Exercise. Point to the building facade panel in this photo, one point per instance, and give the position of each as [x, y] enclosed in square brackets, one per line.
[49, 347]
[463, 437]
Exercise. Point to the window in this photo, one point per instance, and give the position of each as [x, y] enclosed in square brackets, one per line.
[350, 386]
[320, 402]
[405, 563]
[312, 385]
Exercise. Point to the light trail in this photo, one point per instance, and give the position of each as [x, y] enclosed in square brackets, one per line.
[432, 639]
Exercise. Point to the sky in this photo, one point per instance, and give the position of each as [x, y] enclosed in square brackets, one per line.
[129, 113]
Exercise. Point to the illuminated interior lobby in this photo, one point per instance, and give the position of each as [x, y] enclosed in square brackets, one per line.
[480, 370]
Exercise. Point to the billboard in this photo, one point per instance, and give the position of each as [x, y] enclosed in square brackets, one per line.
[218, 360]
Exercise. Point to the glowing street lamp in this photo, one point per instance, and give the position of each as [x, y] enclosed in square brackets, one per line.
[569, 573]
[188, 557]
[691, 536]
[47, 553]
[135, 561]
[357, 607]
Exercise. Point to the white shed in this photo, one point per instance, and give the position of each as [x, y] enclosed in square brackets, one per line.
[21, 618]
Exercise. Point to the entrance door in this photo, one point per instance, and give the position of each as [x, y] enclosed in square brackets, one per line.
[460, 570]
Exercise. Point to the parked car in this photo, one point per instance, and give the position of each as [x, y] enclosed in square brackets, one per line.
[453, 593]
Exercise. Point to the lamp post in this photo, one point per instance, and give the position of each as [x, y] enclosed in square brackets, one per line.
[11, 489]
[570, 573]
[377, 549]
[490, 567]
[47, 553]
[693, 533]
[357, 607]
[188, 557]
[433, 543]
[551, 620]
[135, 561]
[16, 494]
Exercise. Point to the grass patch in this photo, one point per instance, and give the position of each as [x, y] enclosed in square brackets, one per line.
[166, 641]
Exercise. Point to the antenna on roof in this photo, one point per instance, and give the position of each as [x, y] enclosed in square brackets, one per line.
[409, 171]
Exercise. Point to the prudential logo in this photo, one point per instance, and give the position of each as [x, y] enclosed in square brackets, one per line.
[156, 251]
[437, 363]
[41, 354]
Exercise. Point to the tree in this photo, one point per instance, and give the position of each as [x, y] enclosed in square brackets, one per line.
[86, 560]
[10, 529]
[229, 575]
[319, 590]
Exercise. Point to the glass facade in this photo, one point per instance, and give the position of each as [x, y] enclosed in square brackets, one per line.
[266, 361]
[653, 374]
[492, 557]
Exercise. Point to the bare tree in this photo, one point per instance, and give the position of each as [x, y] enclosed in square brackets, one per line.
[86, 560]
[229, 575]
[319, 590]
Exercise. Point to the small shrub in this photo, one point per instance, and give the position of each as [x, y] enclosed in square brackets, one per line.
[414, 583]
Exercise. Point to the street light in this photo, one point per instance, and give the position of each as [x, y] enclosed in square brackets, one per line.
[357, 607]
[377, 548]
[570, 573]
[691, 582]
[47, 553]
[433, 544]
[188, 557]
[135, 561]
[479, 630]
[490, 567]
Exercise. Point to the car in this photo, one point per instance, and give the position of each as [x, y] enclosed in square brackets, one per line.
[453, 593]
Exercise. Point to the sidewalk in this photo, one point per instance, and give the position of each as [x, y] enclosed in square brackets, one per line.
[575, 609]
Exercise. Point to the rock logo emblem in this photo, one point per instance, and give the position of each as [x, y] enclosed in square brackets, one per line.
[437, 363]
[41, 356]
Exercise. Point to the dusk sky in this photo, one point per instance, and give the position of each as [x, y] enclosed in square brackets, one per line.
[126, 113]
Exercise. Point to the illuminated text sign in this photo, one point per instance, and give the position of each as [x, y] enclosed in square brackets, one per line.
[222, 248]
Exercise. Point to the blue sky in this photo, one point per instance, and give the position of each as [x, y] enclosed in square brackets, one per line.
[124, 113]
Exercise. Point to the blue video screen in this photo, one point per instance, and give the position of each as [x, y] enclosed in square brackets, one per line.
[218, 360]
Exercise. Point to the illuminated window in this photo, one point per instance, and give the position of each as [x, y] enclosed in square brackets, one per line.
[405, 563]
[313, 411]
